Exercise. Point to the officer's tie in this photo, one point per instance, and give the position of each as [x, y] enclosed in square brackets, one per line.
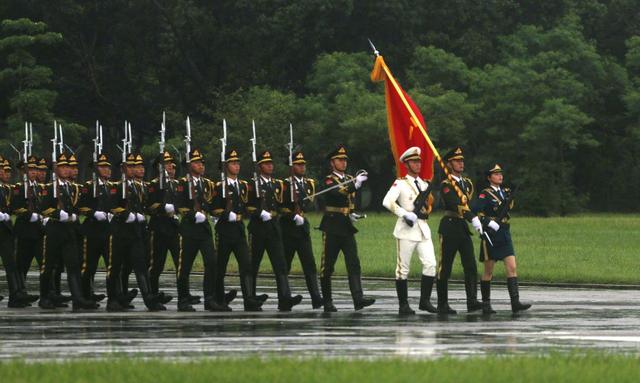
[302, 194]
[462, 187]
[417, 185]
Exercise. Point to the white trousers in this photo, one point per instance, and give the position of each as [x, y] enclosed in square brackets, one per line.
[405, 249]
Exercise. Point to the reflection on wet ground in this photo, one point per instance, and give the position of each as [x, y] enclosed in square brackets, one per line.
[561, 320]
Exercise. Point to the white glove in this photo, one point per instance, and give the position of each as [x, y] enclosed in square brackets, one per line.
[6, 217]
[477, 225]
[494, 225]
[3, 217]
[44, 221]
[265, 216]
[200, 217]
[169, 208]
[130, 218]
[64, 216]
[109, 217]
[298, 219]
[100, 215]
[73, 217]
[232, 216]
[34, 217]
[360, 178]
[353, 217]
[411, 216]
[139, 217]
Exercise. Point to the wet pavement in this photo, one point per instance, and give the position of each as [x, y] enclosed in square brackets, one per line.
[560, 320]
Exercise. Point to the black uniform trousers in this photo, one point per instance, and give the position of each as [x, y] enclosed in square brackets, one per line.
[300, 244]
[95, 245]
[449, 246]
[189, 247]
[162, 242]
[126, 253]
[268, 239]
[332, 245]
[60, 249]
[26, 250]
[7, 251]
[240, 249]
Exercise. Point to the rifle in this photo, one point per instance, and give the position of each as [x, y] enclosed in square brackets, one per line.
[187, 145]
[254, 158]
[97, 151]
[419, 204]
[57, 144]
[223, 148]
[292, 182]
[26, 152]
[126, 149]
[161, 170]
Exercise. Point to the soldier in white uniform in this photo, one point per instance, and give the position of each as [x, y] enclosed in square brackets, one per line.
[412, 231]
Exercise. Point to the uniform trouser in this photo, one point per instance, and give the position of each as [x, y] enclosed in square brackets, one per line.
[405, 249]
[60, 249]
[240, 250]
[127, 265]
[93, 248]
[26, 250]
[302, 246]
[7, 255]
[126, 250]
[449, 246]
[189, 248]
[160, 244]
[332, 245]
[272, 244]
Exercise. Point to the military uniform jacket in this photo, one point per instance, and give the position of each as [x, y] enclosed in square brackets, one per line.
[271, 198]
[304, 187]
[203, 192]
[105, 192]
[133, 202]
[489, 203]
[68, 195]
[399, 200]
[160, 221]
[235, 200]
[22, 208]
[455, 210]
[6, 191]
[339, 203]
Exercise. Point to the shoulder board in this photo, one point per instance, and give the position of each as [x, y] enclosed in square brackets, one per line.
[244, 182]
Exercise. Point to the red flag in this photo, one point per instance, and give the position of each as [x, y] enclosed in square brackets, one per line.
[406, 125]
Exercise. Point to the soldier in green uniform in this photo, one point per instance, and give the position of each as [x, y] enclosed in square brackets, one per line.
[455, 235]
[59, 204]
[492, 206]
[264, 231]
[95, 205]
[339, 231]
[18, 297]
[296, 236]
[229, 207]
[28, 228]
[195, 199]
[126, 244]
[164, 224]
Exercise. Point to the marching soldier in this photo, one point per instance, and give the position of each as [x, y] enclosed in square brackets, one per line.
[59, 204]
[127, 240]
[229, 207]
[296, 236]
[264, 232]
[410, 199]
[455, 235]
[493, 206]
[95, 205]
[339, 231]
[164, 226]
[18, 297]
[194, 203]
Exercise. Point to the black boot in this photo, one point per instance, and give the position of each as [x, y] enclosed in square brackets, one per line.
[230, 296]
[210, 304]
[17, 299]
[262, 297]
[78, 299]
[150, 299]
[485, 290]
[514, 294]
[285, 300]
[403, 297]
[250, 301]
[114, 295]
[164, 298]
[60, 298]
[46, 295]
[23, 287]
[426, 286]
[471, 288]
[443, 297]
[360, 301]
[325, 284]
[314, 291]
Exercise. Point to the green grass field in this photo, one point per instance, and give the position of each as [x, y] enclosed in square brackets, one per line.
[594, 248]
[552, 368]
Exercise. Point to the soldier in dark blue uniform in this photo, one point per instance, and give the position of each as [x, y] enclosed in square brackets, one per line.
[455, 235]
[339, 231]
[296, 236]
[493, 206]
[164, 225]
[229, 208]
[264, 231]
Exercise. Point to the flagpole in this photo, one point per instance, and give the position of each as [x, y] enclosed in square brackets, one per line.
[415, 119]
